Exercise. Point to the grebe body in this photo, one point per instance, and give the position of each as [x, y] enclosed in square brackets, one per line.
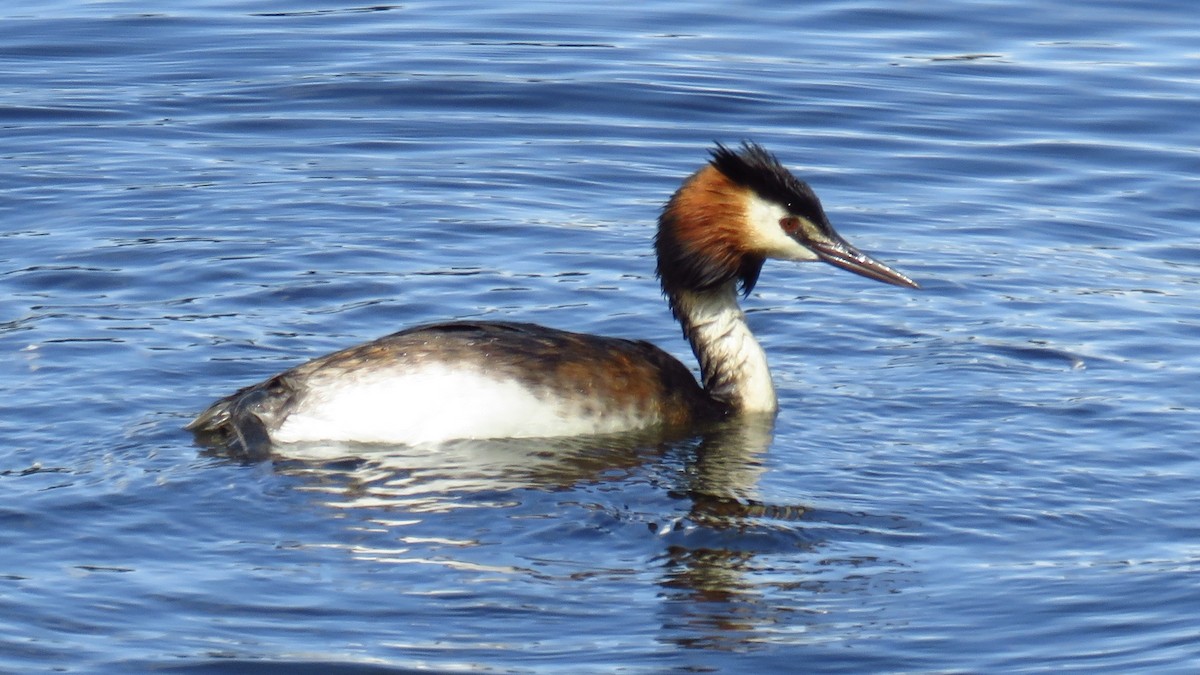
[473, 380]
[460, 380]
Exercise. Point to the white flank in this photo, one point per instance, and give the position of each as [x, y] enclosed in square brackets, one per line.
[436, 403]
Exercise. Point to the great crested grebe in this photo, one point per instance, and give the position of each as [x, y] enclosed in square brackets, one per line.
[479, 379]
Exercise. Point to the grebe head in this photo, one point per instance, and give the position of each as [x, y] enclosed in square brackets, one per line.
[740, 209]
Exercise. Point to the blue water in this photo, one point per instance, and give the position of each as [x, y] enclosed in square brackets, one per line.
[997, 473]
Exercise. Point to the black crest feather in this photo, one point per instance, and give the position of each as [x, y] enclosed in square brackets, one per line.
[759, 170]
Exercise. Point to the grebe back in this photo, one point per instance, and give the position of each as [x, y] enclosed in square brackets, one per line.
[472, 379]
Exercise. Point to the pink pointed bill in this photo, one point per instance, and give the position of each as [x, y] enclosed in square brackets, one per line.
[841, 254]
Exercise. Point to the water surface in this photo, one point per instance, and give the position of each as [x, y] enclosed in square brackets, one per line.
[996, 473]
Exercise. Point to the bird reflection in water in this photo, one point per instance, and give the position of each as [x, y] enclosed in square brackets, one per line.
[717, 537]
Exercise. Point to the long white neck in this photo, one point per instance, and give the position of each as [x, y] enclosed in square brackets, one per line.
[732, 364]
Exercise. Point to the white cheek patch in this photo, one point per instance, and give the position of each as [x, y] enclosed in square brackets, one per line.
[766, 234]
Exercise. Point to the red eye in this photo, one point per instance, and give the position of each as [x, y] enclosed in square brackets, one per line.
[790, 224]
